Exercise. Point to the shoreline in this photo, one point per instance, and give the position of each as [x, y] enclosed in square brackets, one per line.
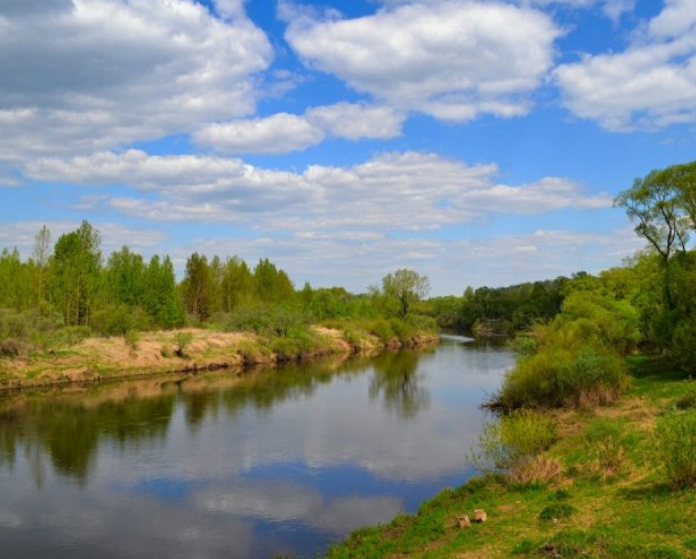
[156, 353]
[585, 508]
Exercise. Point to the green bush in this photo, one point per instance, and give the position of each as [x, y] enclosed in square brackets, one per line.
[556, 377]
[676, 447]
[182, 340]
[132, 337]
[117, 319]
[513, 441]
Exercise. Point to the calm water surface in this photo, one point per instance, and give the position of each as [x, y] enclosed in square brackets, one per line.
[214, 466]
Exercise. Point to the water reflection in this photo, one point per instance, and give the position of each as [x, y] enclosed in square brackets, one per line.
[222, 466]
[399, 382]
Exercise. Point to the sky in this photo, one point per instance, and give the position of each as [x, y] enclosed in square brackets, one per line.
[476, 142]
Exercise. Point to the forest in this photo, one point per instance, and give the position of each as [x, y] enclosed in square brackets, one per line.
[68, 291]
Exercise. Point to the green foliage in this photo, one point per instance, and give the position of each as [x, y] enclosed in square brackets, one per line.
[75, 274]
[182, 340]
[603, 439]
[556, 376]
[513, 441]
[401, 290]
[676, 448]
[132, 337]
[117, 319]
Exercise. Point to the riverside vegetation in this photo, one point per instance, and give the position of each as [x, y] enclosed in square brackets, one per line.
[68, 315]
[593, 451]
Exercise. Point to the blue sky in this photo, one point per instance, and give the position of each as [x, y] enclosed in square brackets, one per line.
[477, 142]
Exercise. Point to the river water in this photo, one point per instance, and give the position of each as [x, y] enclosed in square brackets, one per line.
[207, 466]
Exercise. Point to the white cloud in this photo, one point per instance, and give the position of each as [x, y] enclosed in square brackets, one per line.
[84, 75]
[676, 19]
[612, 8]
[283, 132]
[280, 133]
[451, 59]
[650, 85]
[356, 121]
[395, 191]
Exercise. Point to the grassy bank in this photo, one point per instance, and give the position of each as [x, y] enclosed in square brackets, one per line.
[187, 350]
[609, 491]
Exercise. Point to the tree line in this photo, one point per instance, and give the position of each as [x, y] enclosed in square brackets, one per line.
[70, 288]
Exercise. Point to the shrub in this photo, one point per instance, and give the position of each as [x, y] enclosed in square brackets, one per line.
[513, 442]
[603, 438]
[676, 447]
[557, 377]
[117, 319]
[11, 347]
[132, 337]
[182, 340]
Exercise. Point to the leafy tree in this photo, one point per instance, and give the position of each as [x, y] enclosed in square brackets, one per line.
[271, 284]
[236, 284]
[42, 248]
[401, 289]
[125, 276]
[75, 273]
[161, 297]
[198, 286]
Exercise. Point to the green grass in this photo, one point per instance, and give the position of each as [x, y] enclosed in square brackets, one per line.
[592, 511]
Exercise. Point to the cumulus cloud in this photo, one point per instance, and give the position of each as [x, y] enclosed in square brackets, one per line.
[454, 60]
[651, 84]
[79, 76]
[282, 132]
[279, 133]
[412, 190]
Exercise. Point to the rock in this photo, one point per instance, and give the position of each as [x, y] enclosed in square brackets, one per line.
[480, 515]
[463, 521]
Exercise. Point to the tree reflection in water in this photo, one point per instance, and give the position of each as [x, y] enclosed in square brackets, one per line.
[396, 379]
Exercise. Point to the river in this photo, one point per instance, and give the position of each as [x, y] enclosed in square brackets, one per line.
[272, 463]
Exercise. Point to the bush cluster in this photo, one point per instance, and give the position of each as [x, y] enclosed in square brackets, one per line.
[556, 377]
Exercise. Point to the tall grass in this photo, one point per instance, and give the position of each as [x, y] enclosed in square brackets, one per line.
[513, 442]
[676, 445]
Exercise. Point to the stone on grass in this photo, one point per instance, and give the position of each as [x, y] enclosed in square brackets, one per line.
[480, 515]
[463, 521]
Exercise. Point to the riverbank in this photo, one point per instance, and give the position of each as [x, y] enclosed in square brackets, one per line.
[189, 350]
[588, 509]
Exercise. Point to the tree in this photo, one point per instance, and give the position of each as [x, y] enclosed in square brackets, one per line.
[664, 205]
[198, 286]
[272, 285]
[75, 265]
[402, 289]
[42, 248]
[235, 284]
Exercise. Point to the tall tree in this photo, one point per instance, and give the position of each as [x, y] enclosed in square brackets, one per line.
[271, 284]
[42, 252]
[402, 289]
[198, 286]
[236, 284]
[75, 270]
[660, 204]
